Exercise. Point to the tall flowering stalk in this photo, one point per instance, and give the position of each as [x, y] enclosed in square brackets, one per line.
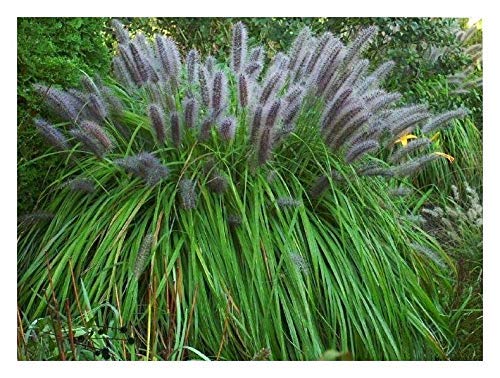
[357, 118]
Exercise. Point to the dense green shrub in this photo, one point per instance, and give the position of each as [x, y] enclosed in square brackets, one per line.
[55, 51]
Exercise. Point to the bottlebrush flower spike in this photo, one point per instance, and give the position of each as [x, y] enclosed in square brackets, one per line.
[169, 57]
[35, 217]
[298, 49]
[381, 101]
[219, 93]
[89, 142]
[350, 78]
[216, 182]
[350, 126]
[190, 106]
[175, 129]
[271, 85]
[327, 68]
[375, 170]
[192, 65]
[407, 123]
[145, 166]
[239, 47]
[89, 85]
[439, 121]
[333, 107]
[234, 220]
[98, 107]
[205, 129]
[399, 154]
[291, 112]
[257, 55]
[121, 34]
[376, 77]
[203, 78]
[265, 146]
[400, 191]
[60, 102]
[280, 62]
[128, 60]
[359, 44]
[272, 113]
[143, 255]
[187, 190]
[115, 104]
[96, 132]
[300, 71]
[357, 151]
[321, 47]
[300, 263]
[80, 185]
[243, 90]
[256, 125]
[352, 108]
[140, 63]
[412, 166]
[51, 134]
[121, 72]
[288, 202]
[210, 66]
[156, 117]
[227, 128]
[255, 62]
[253, 69]
[294, 94]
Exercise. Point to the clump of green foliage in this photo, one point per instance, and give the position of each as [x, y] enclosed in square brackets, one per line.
[53, 50]
[228, 211]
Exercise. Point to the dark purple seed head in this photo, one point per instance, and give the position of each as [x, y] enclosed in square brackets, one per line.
[205, 129]
[89, 85]
[80, 185]
[210, 66]
[145, 166]
[265, 145]
[271, 85]
[175, 129]
[140, 62]
[256, 125]
[205, 90]
[190, 106]
[272, 113]
[120, 33]
[192, 64]
[227, 128]
[51, 134]
[60, 102]
[357, 151]
[219, 91]
[89, 142]
[243, 90]
[98, 107]
[156, 117]
[96, 132]
[253, 69]
[239, 47]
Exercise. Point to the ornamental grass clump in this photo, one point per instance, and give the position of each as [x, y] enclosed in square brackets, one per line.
[180, 150]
